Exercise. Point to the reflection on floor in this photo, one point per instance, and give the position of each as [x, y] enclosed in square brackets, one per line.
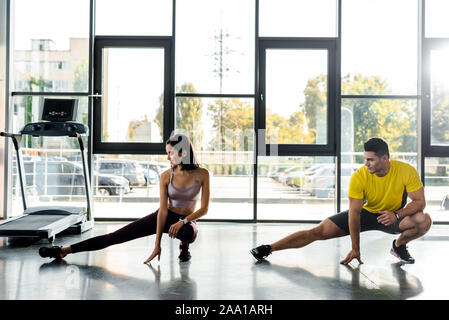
[222, 268]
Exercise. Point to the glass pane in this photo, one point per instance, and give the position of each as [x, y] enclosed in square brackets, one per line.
[439, 71]
[222, 132]
[218, 58]
[230, 178]
[53, 165]
[217, 124]
[436, 18]
[296, 96]
[295, 188]
[53, 174]
[137, 17]
[133, 90]
[361, 119]
[48, 58]
[298, 18]
[127, 186]
[437, 188]
[386, 53]
[129, 189]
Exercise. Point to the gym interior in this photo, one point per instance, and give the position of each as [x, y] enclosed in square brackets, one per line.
[277, 97]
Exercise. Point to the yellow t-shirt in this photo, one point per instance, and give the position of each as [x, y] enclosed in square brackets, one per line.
[384, 193]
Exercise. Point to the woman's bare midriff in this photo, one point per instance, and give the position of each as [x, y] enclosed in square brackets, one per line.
[181, 211]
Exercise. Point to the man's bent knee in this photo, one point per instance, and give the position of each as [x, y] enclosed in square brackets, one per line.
[419, 221]
[426, 223]
[422, 219]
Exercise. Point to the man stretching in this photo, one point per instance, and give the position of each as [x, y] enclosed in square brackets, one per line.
[377, 197]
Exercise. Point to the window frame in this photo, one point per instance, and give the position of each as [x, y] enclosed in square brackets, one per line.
[101, 42]
[329, 44]
[428, 149]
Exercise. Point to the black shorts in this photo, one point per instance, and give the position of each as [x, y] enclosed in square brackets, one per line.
[368, 221]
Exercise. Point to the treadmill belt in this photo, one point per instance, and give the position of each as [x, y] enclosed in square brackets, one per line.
[31, 222]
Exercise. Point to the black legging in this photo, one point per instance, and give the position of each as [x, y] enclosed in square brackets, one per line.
[140, 228]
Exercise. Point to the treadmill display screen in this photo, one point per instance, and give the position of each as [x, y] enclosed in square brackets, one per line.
[59, 110]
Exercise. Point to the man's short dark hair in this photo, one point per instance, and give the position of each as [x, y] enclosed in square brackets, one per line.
[377, 145]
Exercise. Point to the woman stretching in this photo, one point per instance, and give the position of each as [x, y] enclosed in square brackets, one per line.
[179, 191]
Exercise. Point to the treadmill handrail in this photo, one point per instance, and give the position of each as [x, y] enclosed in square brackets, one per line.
[10, 135]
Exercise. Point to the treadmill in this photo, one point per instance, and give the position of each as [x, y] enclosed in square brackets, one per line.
[45, 222]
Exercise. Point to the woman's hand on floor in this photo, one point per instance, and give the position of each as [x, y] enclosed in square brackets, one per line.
[156, 252]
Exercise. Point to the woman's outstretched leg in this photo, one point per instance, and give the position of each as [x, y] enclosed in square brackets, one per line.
[140, 228]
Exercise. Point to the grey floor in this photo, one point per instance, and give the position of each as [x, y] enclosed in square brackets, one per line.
[222, 268]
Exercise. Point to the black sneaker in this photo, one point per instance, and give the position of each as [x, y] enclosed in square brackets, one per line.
[50, 252]
[185, 255]
[261, 252]
[401, 253]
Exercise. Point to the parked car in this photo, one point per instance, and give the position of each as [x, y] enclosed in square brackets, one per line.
[102, 184]
[277, 172]
[159, 167]
[152, 171]
[109, 184]
[56, 176]
[128, 169]
[322, 183]
[151, 176]
[284, 175]
[297, 179]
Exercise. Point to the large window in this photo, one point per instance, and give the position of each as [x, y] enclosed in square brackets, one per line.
[436, 19]
[132, 82]
[215, 46]
[133, 89]
[50, 45]
[135, 17]
[277, 96]
[296, 96]
[439, 96]
[435, 105]
[49, 58]
[298, 18]
[380, 42]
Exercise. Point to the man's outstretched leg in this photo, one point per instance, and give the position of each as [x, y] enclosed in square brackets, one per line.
[325, 230]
